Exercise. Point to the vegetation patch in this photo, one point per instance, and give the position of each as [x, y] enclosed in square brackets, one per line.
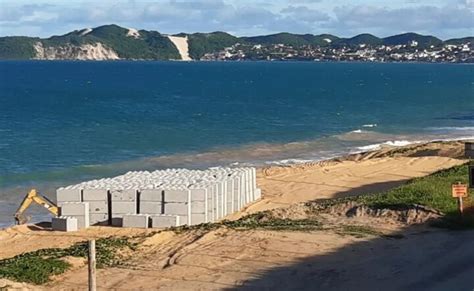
[260, 220]
[361, 231]
[433, 191]
[37, 267]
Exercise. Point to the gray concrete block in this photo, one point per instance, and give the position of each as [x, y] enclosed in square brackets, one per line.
[68, 195]
[136, 220]
[123, 195]
[123, 207]
[64, 223]
[151, 195]
[98, 206]
[198, 207]
[74, 209]
[165, 220]
[177, 208]
[237, 193]
[198, 218]
[230, 196]
[82, 221]
[151, 207]
[182, 196]
[99, 218]
[94, 195]
[199, 194]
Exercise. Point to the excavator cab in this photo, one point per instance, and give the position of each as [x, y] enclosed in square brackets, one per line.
[34, 196]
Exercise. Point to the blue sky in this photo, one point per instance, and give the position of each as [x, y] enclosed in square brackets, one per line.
[443, 18]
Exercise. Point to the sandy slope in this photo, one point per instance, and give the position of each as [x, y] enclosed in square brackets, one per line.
[224, 259]
[182, 44]
[285, 186]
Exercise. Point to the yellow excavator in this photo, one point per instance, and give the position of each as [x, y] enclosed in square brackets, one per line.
[34, 196]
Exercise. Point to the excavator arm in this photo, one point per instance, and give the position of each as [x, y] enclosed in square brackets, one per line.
[34, 196]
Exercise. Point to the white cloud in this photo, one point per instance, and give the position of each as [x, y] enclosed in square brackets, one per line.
[243, 17]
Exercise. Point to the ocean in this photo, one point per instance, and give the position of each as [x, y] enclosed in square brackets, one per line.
[64, 122]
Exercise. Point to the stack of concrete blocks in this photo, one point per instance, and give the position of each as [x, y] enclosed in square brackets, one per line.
[170, 197]
[122, 202]
[78, 210]
[98, 204]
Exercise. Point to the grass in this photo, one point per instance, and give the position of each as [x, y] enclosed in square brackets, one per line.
[433, 191]
[260, 220]
[37, 267]
[364, 231]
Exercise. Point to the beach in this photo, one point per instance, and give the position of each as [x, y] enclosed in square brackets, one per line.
[327, 258]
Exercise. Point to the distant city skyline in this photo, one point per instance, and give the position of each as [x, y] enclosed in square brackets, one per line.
[345, 18]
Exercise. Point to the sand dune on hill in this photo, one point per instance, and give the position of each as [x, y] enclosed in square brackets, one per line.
[181, 44]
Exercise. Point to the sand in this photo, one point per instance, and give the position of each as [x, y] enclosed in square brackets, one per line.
[423, 258]
[181, 44]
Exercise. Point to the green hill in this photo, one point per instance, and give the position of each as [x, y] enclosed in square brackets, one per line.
[202, 43]
[295, 40]
[458, 41]
[364, 38]
[152, 45]
[17, 47]
[407, 38]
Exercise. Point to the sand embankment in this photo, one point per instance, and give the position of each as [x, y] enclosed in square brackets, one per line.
[422, 258]
[181, 44]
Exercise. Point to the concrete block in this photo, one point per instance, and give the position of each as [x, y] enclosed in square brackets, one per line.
[199, 194]
[177, 208]
[123, 195]
[64, 223]
[236, 200]
[68, 195]
[210, 204]
[99, 218]
[182, 196]
[230, 196]
[198, 219]
[198, 207]
[151, 207]
[74, 209]
[165, 220]
[98, 207]
[136, 220]
[94, 195]
[258, 193]
[151, 195]
[82, 221]
[247, 187]
[123, 207]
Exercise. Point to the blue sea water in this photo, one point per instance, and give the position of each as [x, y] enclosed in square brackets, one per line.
[64, 122]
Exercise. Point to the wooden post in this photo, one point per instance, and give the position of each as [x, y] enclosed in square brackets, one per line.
[461, 207]
[91, 261]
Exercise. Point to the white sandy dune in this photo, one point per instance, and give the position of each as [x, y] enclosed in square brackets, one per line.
[182, 44]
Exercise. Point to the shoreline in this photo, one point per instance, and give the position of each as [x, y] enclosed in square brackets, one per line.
[439, 148]
[232, 61]
[285, 189]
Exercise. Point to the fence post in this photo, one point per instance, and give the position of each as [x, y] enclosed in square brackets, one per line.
[92, 265]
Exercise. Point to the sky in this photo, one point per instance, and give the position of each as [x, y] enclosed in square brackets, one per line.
[344, 18]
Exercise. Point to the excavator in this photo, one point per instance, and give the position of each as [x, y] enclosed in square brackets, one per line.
[36, 197]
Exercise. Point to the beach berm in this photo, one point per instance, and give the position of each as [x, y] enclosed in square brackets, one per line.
[312, 217]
